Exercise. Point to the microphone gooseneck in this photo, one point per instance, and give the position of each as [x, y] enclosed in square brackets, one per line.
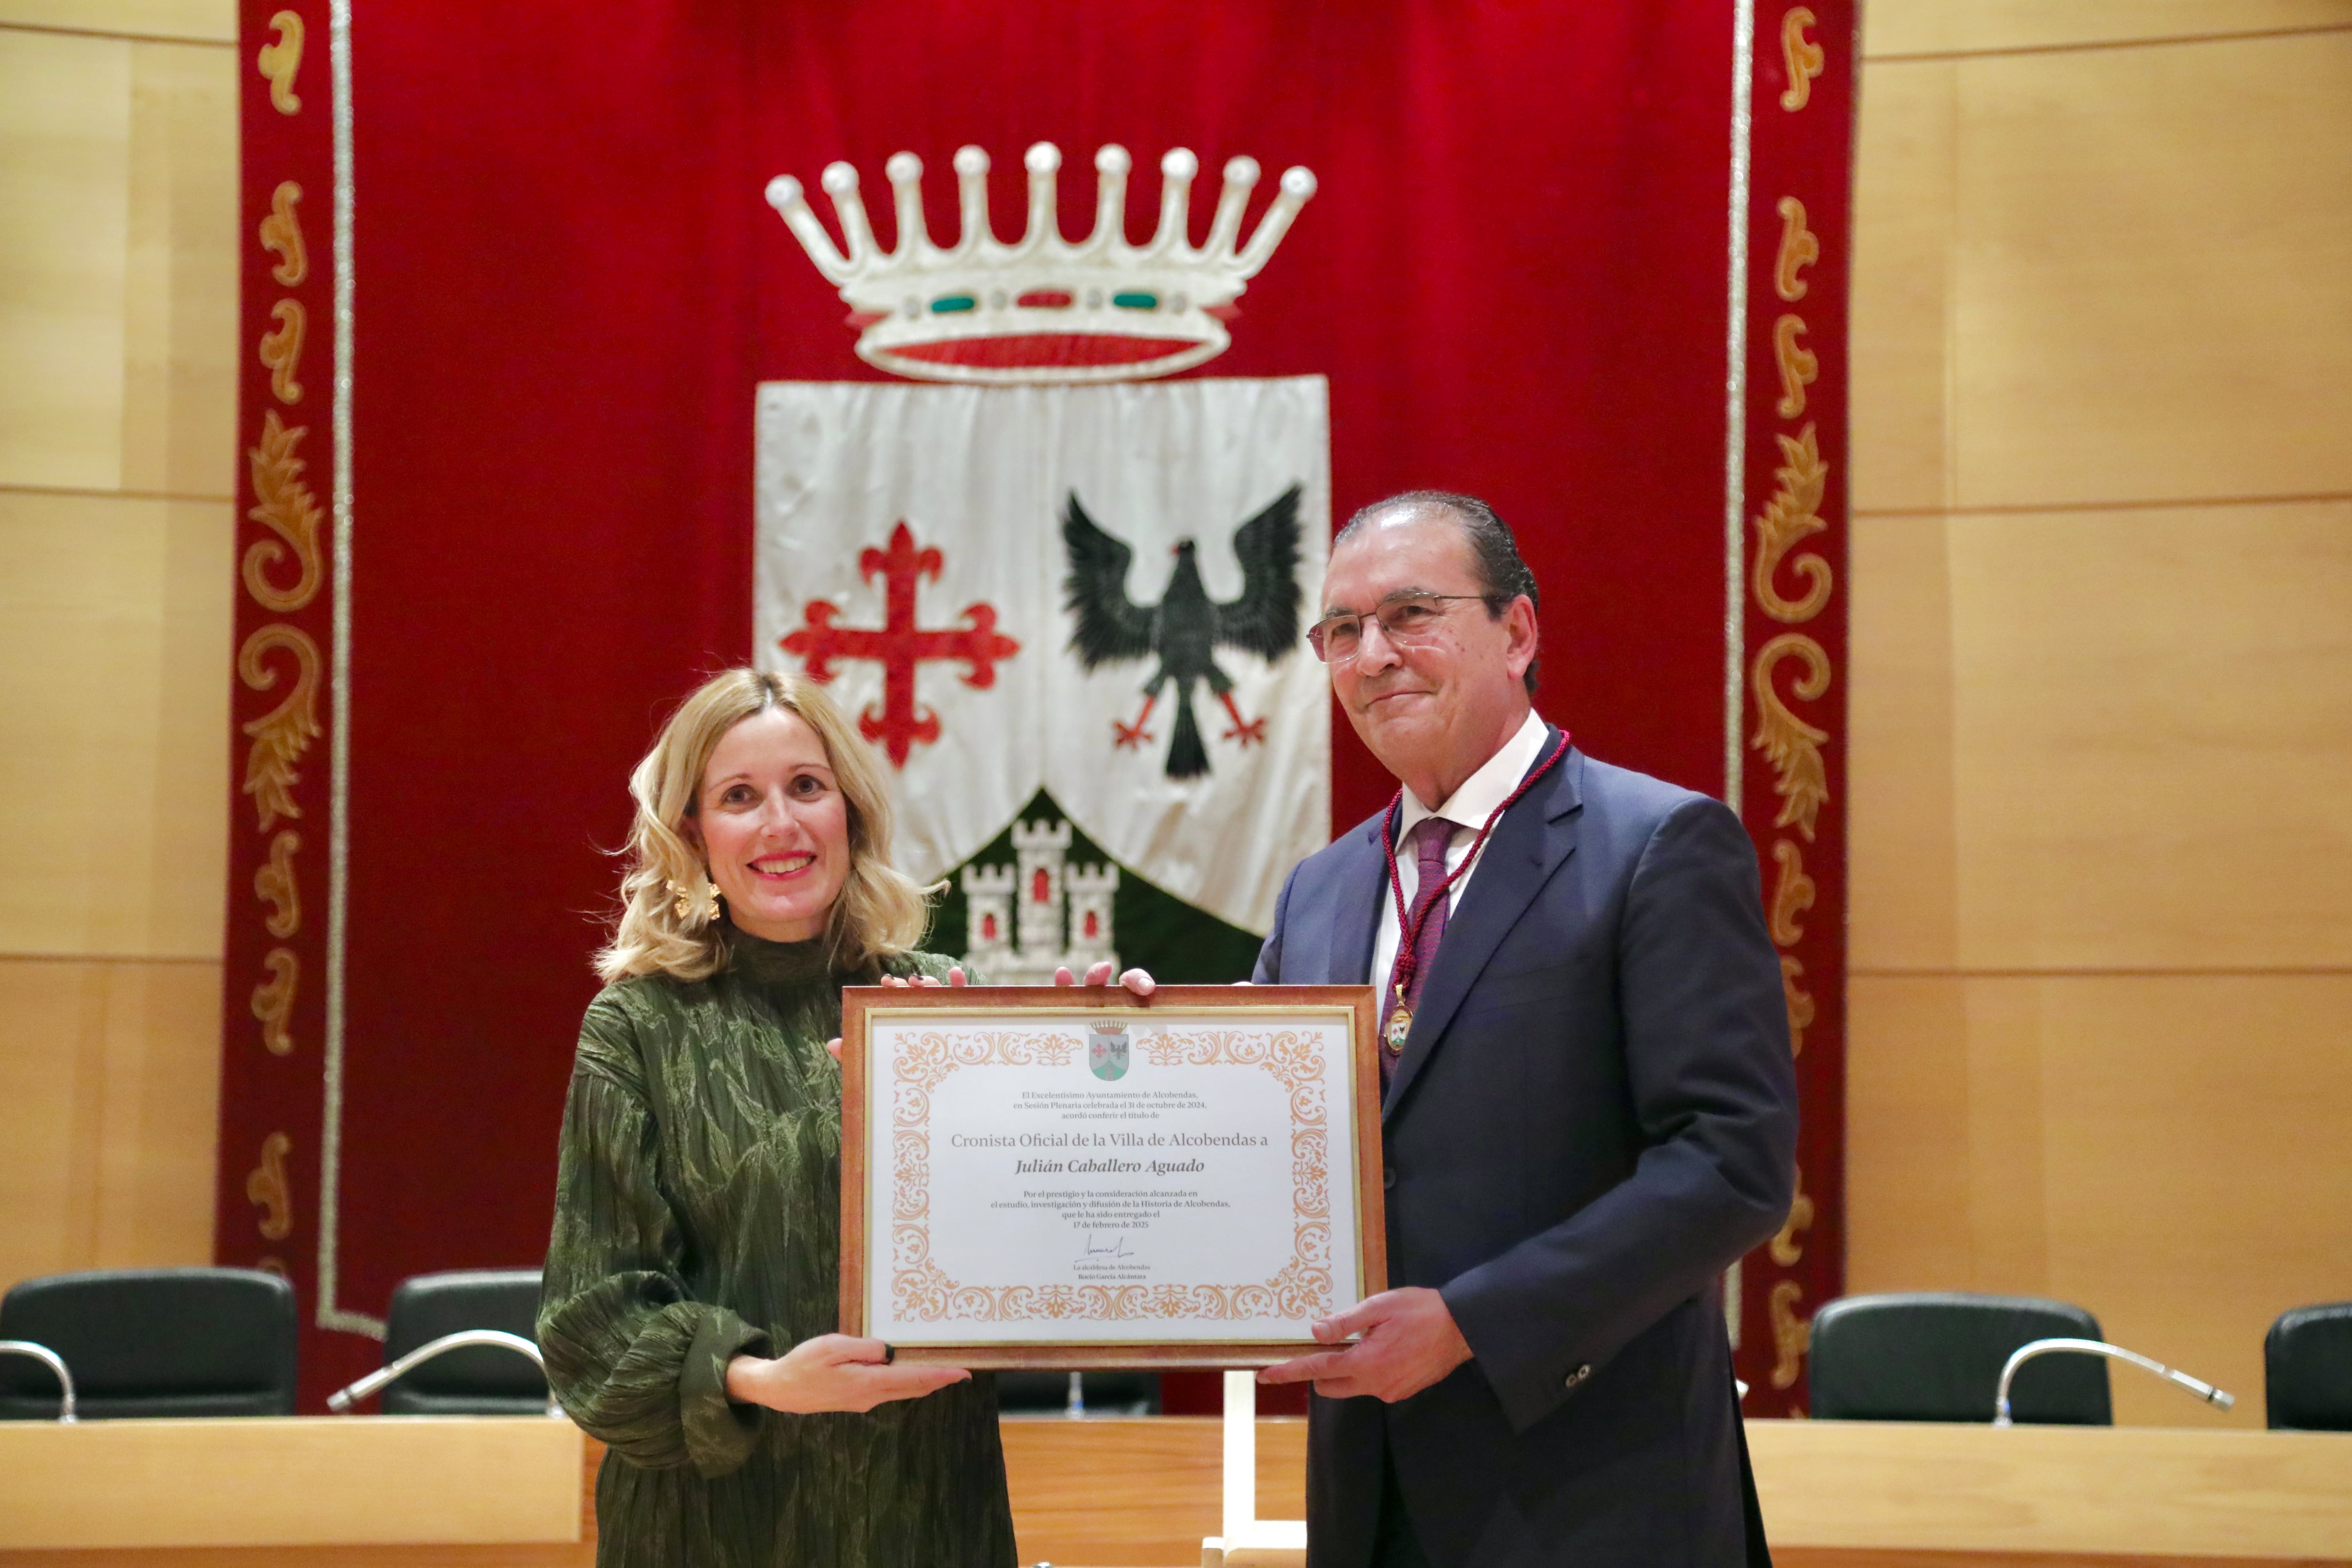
[56, 1363]
[2217, 1398]
[342, 1399]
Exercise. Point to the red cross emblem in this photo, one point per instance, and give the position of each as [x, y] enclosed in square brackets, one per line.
[899, 645]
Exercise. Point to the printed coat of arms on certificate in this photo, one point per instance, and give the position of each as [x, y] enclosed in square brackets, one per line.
[1043, 1177]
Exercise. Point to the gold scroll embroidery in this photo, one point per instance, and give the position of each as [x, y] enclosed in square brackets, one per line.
[273, 883]
[281, 735]
[1793, 893]
[281, 351]
[1799, 1001]
[1799, 249]
[281, 235]
[267, 1188]
[279, 59]
[1793, 746]
[1799, 365]
[1803, 57]
[1785, 1247]
[1793, 1336]
[1793, 513]
[273, 999]
[288, 509]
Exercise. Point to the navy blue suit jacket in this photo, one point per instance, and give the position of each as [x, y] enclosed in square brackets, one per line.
[1595, 1115]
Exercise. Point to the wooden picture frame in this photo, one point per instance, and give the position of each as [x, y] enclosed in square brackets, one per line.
[1321, 1046]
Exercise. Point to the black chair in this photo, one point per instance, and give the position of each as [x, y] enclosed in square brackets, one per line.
[472, 1380]
[2307, 1369]
[152, 1342]
[1099, 1392]
[1937, 1355]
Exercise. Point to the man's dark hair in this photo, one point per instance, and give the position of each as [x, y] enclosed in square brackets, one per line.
[1495, 557]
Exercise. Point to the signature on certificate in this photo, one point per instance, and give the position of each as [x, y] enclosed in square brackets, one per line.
[1096, 1247]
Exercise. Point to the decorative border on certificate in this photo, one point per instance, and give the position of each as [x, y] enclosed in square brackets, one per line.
[1309, 1161]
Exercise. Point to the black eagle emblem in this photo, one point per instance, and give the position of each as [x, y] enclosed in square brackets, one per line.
[1186, 627]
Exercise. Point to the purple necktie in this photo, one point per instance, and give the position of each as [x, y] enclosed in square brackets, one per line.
[1429, 839]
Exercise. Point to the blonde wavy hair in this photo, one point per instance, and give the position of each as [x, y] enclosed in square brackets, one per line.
[880, 912]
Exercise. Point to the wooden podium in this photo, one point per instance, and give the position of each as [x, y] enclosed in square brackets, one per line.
[511, 1492]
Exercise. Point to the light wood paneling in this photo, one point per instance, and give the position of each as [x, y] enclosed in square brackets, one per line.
[118, 276]
[109, 1120]
[65, 175]
[2152, 732]
[1904, 208]
[2168, 1152]
[114, 680]
[2153, 273]
[213, 20]
[179, 372]
[1903, 850]
[1922, 26]
[2103, 739]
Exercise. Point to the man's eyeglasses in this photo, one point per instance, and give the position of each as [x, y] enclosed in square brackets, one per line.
[1405, 619]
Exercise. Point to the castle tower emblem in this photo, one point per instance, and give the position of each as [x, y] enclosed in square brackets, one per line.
[1031, 918]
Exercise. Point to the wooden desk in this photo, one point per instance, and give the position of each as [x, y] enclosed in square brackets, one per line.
[354, 1490]
[458, 1492]
[1876, 1495]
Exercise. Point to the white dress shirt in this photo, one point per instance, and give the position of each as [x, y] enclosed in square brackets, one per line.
[1467, 809]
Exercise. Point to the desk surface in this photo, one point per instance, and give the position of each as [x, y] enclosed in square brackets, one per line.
[460, 1492]
[289, 1481]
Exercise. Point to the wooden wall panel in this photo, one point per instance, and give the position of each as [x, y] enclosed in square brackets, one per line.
[108, 1122]
[180, 354]
[65, 171]
[1896, 27]
[1903, 352]
[2152, 737]
[117, 266]
[114, 674]
[213, 21]
[2155, 241]
[2102, 850]
[1904, 864]
[2168, 1152]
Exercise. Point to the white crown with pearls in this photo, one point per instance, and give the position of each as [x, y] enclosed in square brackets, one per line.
[1042, 309]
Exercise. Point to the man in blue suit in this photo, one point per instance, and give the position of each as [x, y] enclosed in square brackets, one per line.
[1589, 1110]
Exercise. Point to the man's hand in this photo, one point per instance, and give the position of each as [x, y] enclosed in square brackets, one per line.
[1135, 979]
[1409, 1342]
[956, 976]
[832, 1372]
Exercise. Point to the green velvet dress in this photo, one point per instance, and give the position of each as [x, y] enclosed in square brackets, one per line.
[697, 1218]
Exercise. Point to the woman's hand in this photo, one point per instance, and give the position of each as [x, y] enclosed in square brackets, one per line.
[1136, 980]
[956, 976]
[833, 1372]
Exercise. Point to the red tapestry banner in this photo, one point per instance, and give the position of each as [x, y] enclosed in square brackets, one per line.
[511, 286]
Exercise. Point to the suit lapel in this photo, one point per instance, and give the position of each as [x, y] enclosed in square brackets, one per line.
[1535, 837]
[1355, 912]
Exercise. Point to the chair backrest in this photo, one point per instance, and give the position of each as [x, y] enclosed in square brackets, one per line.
[477, 1380]
[2307, 1369]
[152, 1342]
[1937, 1355]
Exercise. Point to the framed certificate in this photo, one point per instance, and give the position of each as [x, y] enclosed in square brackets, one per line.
[1049, 1176]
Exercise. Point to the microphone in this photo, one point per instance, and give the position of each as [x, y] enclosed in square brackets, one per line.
[57, 1364]
[342, 1399]
[2216, 1397]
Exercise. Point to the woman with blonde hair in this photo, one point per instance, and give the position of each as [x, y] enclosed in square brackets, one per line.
[691, 1286]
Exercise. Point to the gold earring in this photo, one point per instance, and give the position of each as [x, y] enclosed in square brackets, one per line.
[700, 904]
